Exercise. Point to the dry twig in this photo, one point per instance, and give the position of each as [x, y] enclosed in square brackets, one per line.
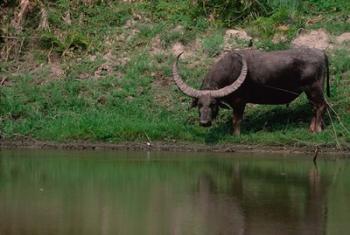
[3, 81]
[18, 19]
[44, 23]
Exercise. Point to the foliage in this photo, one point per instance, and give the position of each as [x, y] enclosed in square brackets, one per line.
[232, 11]
[114, 77]
[213, 44]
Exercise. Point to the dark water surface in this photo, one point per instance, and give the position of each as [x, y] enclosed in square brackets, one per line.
[48, 192]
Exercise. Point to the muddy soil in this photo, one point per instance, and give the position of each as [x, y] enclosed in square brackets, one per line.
[170, 146]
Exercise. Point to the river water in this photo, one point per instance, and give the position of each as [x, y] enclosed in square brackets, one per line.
[53, 192]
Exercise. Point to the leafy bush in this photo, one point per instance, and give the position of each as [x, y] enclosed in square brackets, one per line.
[73, 40]
[49, 40]
[231, 12]
[76, 41]
[267, 26]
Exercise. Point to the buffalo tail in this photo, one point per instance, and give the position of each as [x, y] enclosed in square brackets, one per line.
[327, 74]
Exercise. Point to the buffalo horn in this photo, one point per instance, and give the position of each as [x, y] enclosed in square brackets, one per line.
[186, 89]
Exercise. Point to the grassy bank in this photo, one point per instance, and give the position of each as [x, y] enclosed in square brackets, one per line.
[102, 71]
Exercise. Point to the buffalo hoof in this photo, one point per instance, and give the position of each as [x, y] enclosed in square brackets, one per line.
[205, 124]
[316, 129]
[236, 132]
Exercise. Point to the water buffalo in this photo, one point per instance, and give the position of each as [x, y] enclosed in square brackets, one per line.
[254, 76]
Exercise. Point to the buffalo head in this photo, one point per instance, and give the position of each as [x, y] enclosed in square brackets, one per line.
[208, 101]
[208, 108]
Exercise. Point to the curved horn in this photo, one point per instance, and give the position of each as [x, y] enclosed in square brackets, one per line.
[235, 85]
[186, 89]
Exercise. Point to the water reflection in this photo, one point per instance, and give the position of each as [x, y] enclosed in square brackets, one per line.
[132, 193]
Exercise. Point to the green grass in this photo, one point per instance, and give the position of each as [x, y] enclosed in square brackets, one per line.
[213, 44]
[134, 97]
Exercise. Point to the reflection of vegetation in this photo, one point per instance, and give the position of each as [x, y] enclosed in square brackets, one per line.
[77, 169]
[264, 174]
[136, 188]
[338, 204]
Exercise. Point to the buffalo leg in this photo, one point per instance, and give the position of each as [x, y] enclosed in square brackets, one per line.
[238, 111]
[316, 98]
[312, 127]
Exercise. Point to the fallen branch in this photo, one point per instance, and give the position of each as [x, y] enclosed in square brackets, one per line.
[44, 23]
[3, 81]
[12, 44]
[18, 19]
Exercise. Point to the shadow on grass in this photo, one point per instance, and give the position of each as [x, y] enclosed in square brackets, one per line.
[266, 118]
[277, 118]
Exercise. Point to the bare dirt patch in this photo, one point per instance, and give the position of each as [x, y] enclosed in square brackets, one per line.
[345, 37]
[279, 38]
[313, 39]
[156, 46]
[56, 69]
[111, 61]
[189, 51]
[236, 39]
[160, 87]
[178, 48]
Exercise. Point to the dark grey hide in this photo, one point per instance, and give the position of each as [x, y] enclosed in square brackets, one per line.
[273, 78]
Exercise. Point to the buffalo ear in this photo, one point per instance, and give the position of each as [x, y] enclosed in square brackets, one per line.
[224, 105]
[194, 103]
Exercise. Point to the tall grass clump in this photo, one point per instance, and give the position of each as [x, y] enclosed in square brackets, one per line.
[231, 12]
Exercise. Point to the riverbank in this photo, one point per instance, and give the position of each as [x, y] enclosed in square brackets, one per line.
[173, 147]
[102, 73]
